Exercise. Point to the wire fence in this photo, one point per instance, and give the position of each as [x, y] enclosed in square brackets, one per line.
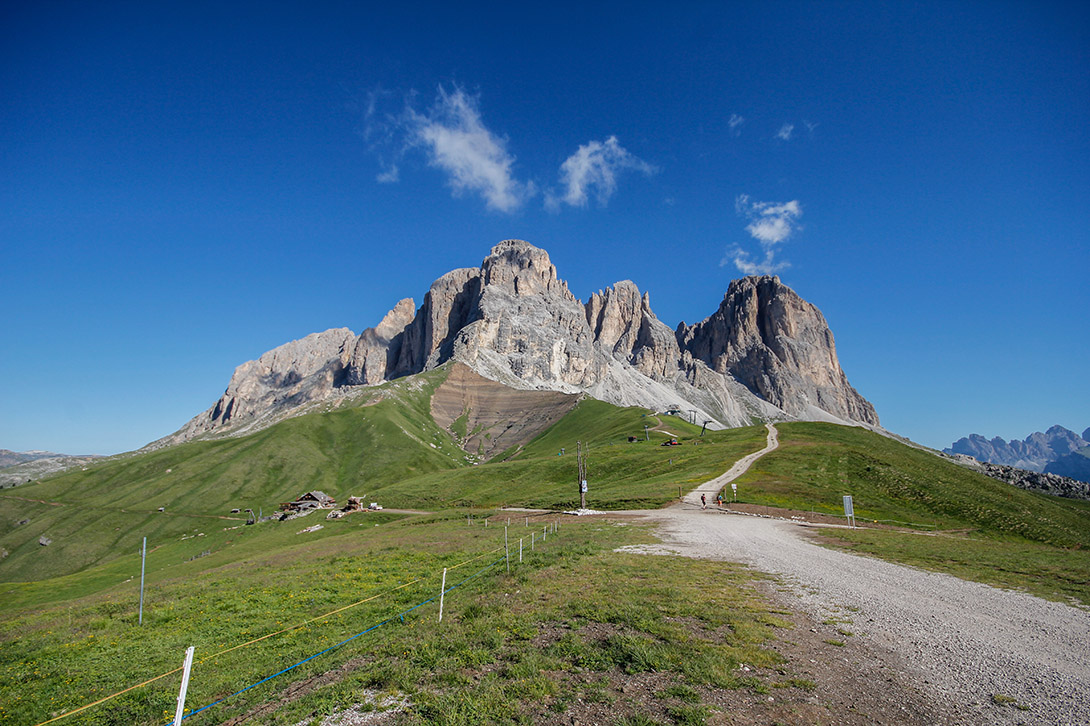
[505, 558]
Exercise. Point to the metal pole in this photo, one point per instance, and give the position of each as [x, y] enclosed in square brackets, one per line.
[185, 686]
[143, 558]
[442, 593]
[506, 552]
[520, 549]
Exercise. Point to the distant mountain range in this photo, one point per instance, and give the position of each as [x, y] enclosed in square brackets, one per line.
[11, 458]
[1056, 451]
[19, 467]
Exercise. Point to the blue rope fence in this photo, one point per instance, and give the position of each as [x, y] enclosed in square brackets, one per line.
[331, 648]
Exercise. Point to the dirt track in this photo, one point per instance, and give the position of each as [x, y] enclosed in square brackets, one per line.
[964, 645]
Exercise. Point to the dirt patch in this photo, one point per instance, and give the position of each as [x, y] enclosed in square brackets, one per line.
[487, 417]
[826, 677]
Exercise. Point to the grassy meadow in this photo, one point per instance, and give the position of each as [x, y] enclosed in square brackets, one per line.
[512, 648]
[389, 451]
[956, 520]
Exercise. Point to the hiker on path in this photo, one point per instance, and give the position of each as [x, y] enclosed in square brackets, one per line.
[719, 500]
[703, 502]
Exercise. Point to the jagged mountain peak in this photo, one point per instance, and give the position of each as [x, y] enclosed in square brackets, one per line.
[764, 354]
[523, 269]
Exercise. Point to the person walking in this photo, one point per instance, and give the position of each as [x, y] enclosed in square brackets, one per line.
[719, 500]
[703, 502]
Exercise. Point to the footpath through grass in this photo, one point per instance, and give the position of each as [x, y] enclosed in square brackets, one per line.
[987, 530]
[568, 624]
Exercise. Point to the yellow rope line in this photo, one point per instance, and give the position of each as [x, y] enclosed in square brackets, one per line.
[486, 554]
[263, 637]
[308, 622]
[107, 698]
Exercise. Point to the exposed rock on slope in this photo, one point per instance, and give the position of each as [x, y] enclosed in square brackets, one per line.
[765, 354]
[488, 417]
[375, 353]
[38, 464]
[1060, 486]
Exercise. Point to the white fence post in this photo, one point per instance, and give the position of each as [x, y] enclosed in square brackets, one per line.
[506, 552]
[520, 549]
[442, 594]
[185, 686]
[143, 558]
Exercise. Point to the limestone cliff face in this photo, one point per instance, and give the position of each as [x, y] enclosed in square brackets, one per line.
[765, 354]
[285, 377]
[623, 324]
[780, 347]
[376, 351]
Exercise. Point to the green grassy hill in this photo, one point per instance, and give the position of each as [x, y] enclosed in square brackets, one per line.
[93, 514]
[817, 463]
[951, 519]
[389, 450]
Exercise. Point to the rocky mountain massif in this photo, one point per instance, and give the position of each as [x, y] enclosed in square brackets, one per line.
[765, 354]
[1056, 451]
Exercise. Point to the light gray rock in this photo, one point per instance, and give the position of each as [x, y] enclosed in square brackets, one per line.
[766, 354]
[377, 349]
[780, 347]
[624, 325]
[293, 374]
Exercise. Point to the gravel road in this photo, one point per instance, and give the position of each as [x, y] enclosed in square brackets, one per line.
[711, 488]
[961, 641]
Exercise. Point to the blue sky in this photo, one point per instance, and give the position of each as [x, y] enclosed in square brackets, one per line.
[184, 186]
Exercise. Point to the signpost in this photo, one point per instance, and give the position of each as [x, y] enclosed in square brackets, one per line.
[849, 509]
[734, 488]
[582, 476]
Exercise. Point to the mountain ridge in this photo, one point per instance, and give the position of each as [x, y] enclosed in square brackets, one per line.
[765, 354]
[1055, 451]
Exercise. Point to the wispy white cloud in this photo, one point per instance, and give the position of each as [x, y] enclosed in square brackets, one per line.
[809, 126]
[474, 159]
[743, 261]
[770, 224]
[785, 132]
[390, 175]
[594, 166]
[735, 124]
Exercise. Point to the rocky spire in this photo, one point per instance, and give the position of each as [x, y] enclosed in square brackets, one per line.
[780, 347]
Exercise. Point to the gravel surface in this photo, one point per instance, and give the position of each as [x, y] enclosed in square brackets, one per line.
[710, 488]
[983, 654]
